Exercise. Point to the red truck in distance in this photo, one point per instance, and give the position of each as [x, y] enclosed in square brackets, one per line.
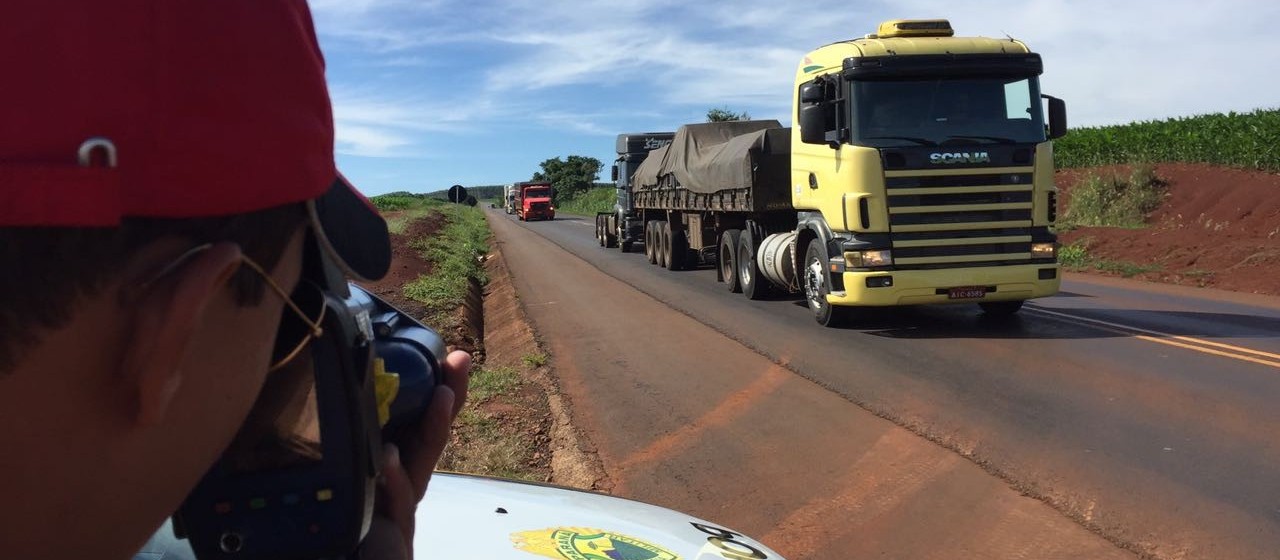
[533, 201]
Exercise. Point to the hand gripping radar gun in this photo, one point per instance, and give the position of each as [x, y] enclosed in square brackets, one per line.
[298, 481]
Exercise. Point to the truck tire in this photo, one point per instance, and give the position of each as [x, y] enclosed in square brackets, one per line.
[754, 286]
[650, 242]
[677, 248]
[816, 287]
[620, 234]
[610, 239]
[599, 230]
[664, 243]
[728, 259]
[1000, 308]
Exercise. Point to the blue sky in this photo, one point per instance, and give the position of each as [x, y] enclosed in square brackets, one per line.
[429, 93]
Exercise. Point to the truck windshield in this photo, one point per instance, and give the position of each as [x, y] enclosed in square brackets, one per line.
[537, 193]
[947, 112]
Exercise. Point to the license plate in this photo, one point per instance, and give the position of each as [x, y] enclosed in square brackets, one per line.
[967, 293]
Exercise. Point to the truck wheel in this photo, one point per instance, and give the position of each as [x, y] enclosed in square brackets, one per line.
[610, 240]
[754, 286]
[728, 258]
[678, 249]
[664, 244]
[1001, 308]
[650, 242]
[599, 241]
[816, 287]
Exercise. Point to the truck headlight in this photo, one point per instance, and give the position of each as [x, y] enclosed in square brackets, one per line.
[1044, 250]
[864, 259]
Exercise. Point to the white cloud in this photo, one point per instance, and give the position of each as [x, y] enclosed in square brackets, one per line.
[388, 27]
[356, 140]
[371, 123]
[1114, 61]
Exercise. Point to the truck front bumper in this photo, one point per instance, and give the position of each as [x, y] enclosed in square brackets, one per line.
[922, 287]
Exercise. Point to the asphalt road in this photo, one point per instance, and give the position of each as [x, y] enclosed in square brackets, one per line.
[1147, 415]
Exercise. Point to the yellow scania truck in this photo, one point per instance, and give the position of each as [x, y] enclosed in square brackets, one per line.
[919, 171]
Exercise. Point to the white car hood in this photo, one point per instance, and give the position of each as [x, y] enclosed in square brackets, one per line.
[466, 516]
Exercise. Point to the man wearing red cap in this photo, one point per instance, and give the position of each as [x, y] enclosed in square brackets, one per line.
[162, 164]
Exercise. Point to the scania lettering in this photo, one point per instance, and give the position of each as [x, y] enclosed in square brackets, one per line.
[978, 157]
[919, 170]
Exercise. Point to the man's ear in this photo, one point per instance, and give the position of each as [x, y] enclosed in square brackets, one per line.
[167, 317]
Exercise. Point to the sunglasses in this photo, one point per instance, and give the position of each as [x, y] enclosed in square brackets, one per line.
[296, 330]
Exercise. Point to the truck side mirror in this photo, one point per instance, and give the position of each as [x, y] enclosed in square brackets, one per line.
[615, 174]
[1057, 117]
[812, 92]
[813, 123]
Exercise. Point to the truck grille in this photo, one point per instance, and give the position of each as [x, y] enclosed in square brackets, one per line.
[943, 221]
[539, 206]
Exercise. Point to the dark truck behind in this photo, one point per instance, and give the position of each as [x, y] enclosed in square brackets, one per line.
[623, 227]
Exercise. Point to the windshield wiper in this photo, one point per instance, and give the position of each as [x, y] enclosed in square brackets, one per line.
[997, 139]
[921, 141]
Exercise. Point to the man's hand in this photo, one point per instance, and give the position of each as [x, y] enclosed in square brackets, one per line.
[406, 472]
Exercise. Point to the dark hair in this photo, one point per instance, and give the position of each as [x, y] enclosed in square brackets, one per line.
[45, 272]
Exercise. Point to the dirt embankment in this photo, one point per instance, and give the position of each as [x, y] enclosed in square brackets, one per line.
[407, 265]
[530, 415]
[1218, 227]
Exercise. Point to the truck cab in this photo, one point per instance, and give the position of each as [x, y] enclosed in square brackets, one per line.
[622, 227]
[509, 199]
[533, 202]
[922, 167]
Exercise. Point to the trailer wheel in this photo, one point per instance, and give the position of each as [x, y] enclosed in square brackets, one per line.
[599, 229]
[664, 244]
[677, 248]
[728, 259]
[754, 286]
[1000, 308]
[817, 286]
[650, 242]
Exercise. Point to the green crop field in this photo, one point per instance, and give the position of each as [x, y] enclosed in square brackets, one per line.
[1247, 140]
[587, 203]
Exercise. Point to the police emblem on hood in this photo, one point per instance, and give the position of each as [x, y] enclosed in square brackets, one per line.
[580, 543]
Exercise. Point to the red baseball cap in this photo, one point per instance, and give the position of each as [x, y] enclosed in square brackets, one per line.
[173, 109]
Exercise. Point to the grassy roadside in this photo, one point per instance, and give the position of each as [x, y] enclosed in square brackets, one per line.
[454, 252]
[1110, 201]
[480, 443]
[1076, 258]
[1114, 200]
